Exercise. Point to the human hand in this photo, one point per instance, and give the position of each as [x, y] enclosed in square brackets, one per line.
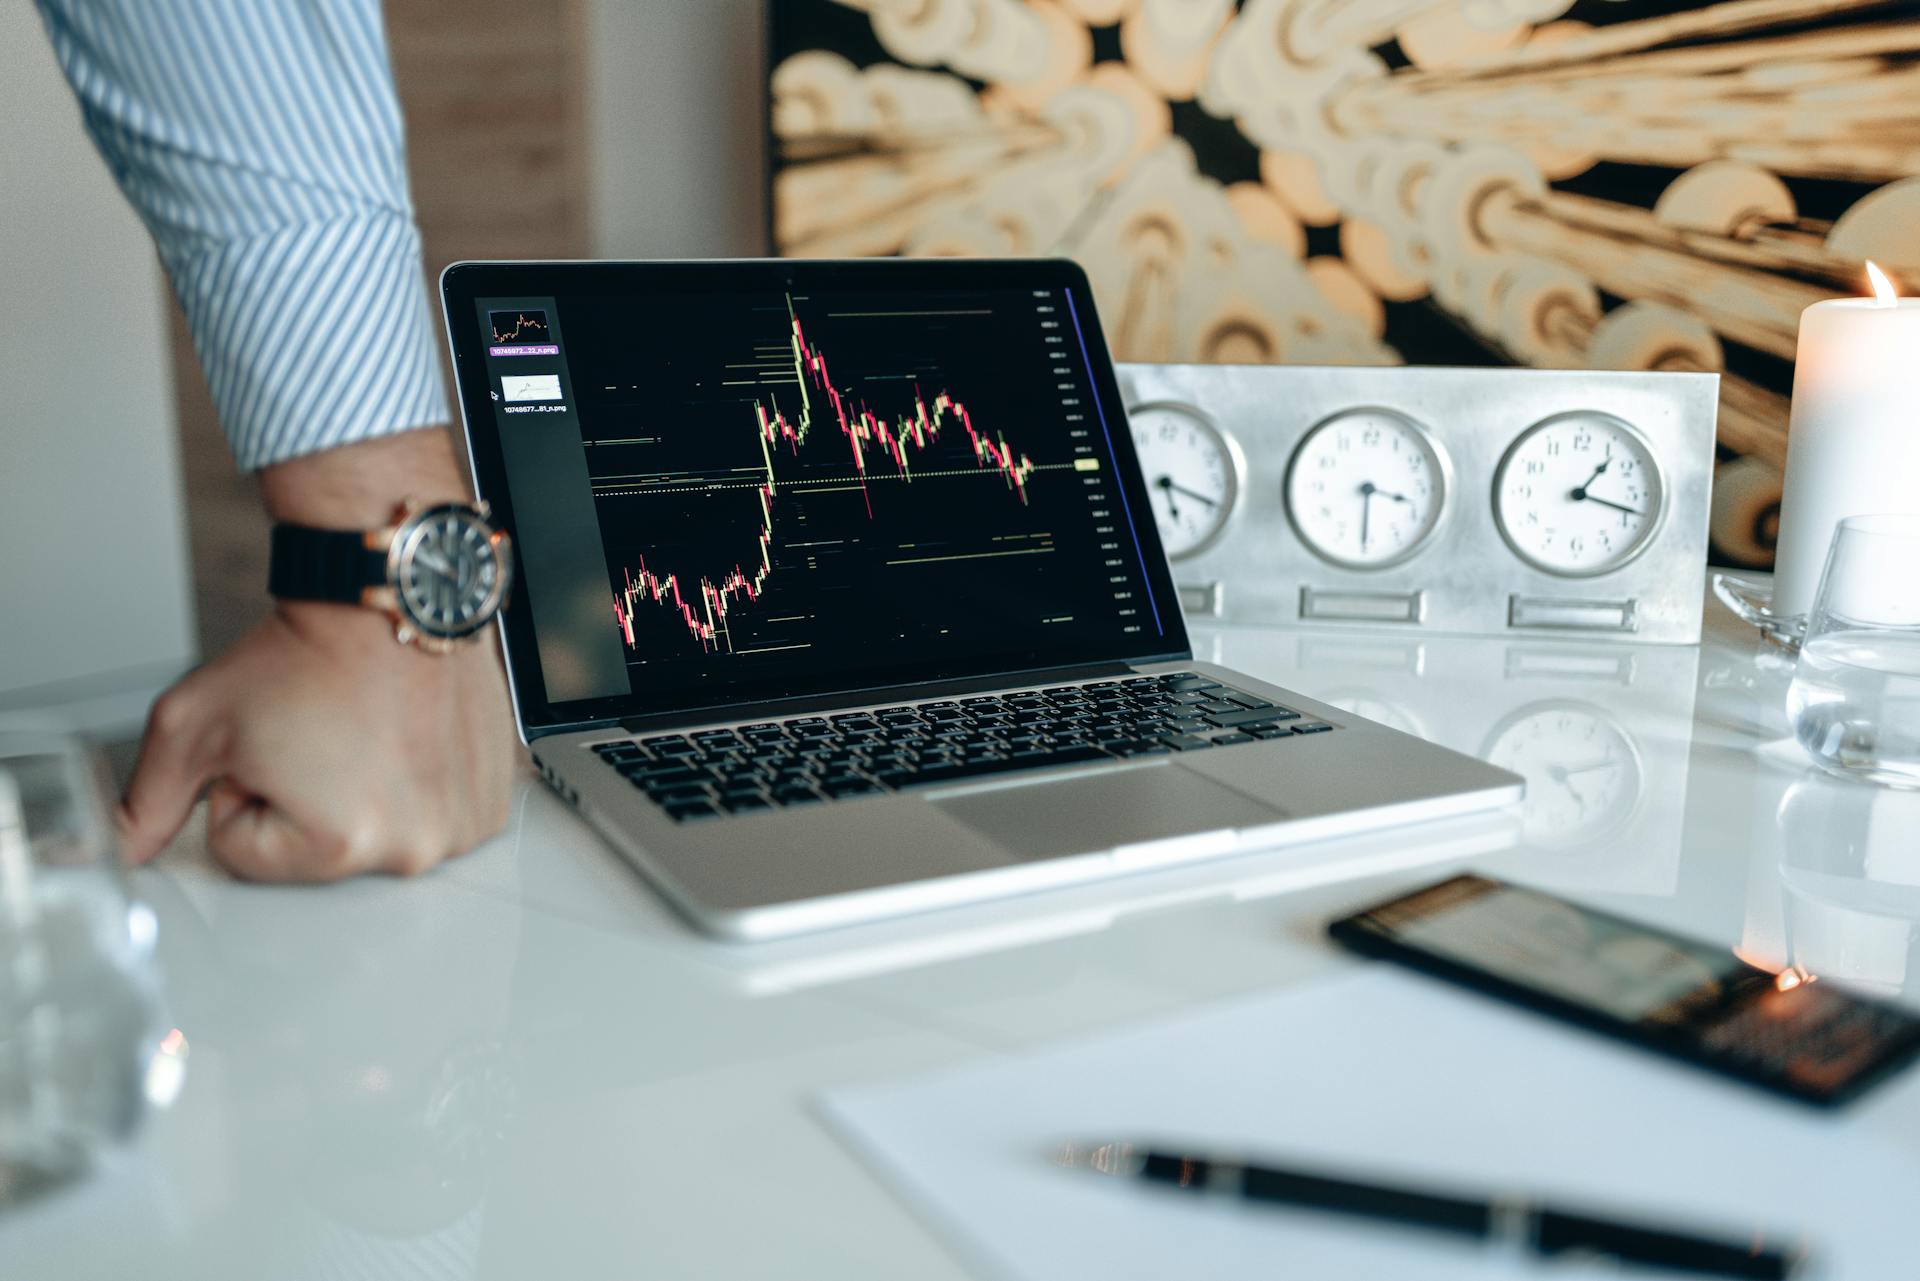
[325, 747]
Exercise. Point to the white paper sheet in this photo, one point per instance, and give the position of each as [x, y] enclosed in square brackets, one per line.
[1384, 1074]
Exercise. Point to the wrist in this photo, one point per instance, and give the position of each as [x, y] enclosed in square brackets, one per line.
[358, 486]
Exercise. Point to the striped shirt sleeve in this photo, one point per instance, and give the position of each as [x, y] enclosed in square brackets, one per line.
[261, 141]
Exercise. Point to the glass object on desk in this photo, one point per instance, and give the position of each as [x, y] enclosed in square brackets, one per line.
[83, 1048]
[1855, 699]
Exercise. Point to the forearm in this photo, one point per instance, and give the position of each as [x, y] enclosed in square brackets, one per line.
[278, 202]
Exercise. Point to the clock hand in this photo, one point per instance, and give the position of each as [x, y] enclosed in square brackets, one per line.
[1166, 486]
[1561, 773]
[1168, 483]
[1580, 491]
[1367, 491]
[1631, 511]
[1388, 493]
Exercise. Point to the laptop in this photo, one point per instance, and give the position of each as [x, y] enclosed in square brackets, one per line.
[839, 597]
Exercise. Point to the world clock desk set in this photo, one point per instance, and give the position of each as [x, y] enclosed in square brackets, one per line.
[1486, 501]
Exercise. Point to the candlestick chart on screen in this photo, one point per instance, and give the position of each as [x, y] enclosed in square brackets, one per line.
[828, 477]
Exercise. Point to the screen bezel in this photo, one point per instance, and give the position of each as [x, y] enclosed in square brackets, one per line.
[463, 283]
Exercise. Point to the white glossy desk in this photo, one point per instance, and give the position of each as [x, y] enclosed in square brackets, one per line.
[523, 1066]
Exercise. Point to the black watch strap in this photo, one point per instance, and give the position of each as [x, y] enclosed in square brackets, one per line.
[323, 564]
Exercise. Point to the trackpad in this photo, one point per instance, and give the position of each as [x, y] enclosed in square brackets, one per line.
[1100, 811]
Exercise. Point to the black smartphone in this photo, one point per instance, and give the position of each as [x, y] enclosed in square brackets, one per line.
[1785, 1032]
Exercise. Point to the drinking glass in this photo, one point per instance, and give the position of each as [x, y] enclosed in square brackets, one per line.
[83, 1049]
[1855, 699]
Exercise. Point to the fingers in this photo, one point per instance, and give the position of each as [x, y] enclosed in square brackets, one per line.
[179, 753]
[258, 841]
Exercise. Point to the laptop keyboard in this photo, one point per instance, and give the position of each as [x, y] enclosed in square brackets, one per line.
[809, 760]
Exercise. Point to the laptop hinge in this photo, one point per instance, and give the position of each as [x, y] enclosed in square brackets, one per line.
[917, 692]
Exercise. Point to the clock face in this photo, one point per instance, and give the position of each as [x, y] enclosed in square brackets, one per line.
[1366, 488]
[1578, 494]
[1582, 770]
[450, 572]
[1192, 475]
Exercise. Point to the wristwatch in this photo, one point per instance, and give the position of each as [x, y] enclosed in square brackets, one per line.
[441, 572]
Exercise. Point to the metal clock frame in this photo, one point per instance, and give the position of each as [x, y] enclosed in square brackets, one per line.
[1465, 577]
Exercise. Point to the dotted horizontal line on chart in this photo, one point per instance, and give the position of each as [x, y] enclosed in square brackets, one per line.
[811, 484]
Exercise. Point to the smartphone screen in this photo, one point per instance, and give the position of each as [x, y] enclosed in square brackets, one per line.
[1702, 1003]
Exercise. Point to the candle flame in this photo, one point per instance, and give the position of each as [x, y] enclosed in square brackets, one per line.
[1883, 291]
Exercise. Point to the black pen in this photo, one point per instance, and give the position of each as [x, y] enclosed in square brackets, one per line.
[1544, 1229]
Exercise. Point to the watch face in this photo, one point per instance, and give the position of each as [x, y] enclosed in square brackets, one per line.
[1191, 473]
[1366, 488]
[1578, 494]
[449, 571]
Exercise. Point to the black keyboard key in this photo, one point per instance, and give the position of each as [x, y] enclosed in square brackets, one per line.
[682, 795]
[1246, 700]
[1250, 716]
[1191, 683]
[745, 804]
[1268, 731]
[668, 779]
[1234, 736]
[690, 811]
[796, 796]
[851, 787]
[1187, 742]
[981, 769]
[1312, 727]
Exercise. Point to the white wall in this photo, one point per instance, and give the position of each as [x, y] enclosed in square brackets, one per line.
[676, 124]
[94, 593]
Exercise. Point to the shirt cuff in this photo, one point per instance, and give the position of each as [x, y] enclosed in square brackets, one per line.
[314, 335]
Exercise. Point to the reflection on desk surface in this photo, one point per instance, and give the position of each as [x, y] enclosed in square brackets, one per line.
[1602, 734]
[1849, 863]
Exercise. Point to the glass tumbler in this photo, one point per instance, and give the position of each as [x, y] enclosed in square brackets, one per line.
[83, 1046]
[1855, 699]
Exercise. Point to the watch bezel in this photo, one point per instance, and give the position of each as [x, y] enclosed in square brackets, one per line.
[402, 543]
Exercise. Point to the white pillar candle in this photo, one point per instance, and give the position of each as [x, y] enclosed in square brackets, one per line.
[1853, 445]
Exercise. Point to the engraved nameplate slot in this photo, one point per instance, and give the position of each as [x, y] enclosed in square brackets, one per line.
[1362, 607]
[1200, 599]
[1571, 615]
[1525, 664]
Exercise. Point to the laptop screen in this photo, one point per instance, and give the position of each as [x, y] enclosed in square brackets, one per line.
[737, 482]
